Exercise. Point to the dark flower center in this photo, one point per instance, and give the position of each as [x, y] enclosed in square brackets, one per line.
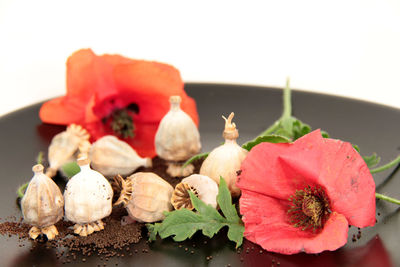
[309, 208]
[121, 122]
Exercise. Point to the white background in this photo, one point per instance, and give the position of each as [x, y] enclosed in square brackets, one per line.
[349, 48]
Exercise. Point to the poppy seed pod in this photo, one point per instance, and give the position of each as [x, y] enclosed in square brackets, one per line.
[111, 156]
[42, 204]
[226, 159]
[145, 195]
[88, 199]
[177, 139]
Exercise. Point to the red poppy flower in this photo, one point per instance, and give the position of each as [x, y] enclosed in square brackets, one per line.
[107, 93]
[302, 196]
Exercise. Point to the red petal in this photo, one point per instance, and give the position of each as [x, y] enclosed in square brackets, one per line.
[142, 142]
[62, 111]
[277, 170]
[150, 84]
[267, 224]
[80, 83]
[348, 182]
[81, 75]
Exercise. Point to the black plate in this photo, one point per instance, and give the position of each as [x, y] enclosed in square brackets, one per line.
[374, 128]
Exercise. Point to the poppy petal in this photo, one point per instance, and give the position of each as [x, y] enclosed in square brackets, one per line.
[62, 110]
[267, 224]
[277, 170]
[348, 182]
[150, 84]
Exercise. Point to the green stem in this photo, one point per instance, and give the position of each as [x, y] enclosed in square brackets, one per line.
[287, 101]
[39, 159]
[287, 110]
[270, 129]
[386, 198]
[386, 166]
[21, 190]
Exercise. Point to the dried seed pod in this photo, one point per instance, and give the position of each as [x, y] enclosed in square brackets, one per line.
[226, 159]
[180, 197]
[111, 156]
[205, 188]
[145, 196]
[42, 205]
[177, 137]
[64, 147]
[88, 199]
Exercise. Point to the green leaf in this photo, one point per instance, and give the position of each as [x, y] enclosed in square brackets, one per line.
[300, 129]
[356, 147]
[196, 157]
[204, 209]
[372, 160]
[271, 138]
[183, 224]
[324, 134]
[70, 169]
[224, 200]
[153, 230]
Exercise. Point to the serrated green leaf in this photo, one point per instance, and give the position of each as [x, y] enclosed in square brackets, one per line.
[204, 209]
[372, 160]
[153, 230]
[236, 233]
[224, 200]
[300, 129]
[183, 224]
[272, 138]
[195, 157]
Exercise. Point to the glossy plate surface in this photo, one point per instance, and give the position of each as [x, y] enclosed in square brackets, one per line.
[374, 128]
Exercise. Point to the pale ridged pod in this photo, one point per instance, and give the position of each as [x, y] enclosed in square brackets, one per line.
[205, 188]
[64, 147]
[43, 203]
[146, 196]
[88, 196]
[111, 156]
[226, 159]
[177, 136]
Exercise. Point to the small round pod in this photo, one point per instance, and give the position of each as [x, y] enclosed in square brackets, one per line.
[42, 204]
[64, 147]
[145, 195]
[88, 199]
[111, 156]
[177, 139]
[226, 159]
[205, 188]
